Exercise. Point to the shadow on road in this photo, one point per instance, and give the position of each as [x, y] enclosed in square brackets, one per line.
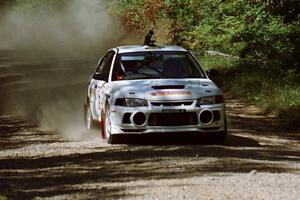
[187, 139]
[86, 173]
[55, 175]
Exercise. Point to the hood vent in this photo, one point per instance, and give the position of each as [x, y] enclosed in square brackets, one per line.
[164, 87]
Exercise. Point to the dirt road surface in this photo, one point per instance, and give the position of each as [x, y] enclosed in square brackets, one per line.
[60, 160]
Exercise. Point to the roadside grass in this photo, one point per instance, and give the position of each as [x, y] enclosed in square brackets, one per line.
[2, 197]
[275, 92]
[217, 62]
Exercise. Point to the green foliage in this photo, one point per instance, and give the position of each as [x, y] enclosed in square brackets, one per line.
[4, 2]
[268, 39]
[275, 92]
[258, 32]
[281, 100]
[217, 62]
[41, 7]
[3, 6]
[264, 34]
[2, 197]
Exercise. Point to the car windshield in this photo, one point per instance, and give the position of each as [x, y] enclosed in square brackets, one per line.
[156, 65]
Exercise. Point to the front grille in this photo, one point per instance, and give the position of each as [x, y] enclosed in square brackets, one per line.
[173, 119]
[186, 103]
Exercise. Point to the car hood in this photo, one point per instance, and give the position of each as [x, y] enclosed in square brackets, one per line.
[164, 89]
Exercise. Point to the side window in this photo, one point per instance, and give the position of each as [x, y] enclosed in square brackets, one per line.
[105, 64]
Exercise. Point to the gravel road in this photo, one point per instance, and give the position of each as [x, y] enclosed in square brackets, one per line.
[259, 160]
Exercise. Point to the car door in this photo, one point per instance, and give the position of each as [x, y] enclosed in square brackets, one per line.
[100, 78]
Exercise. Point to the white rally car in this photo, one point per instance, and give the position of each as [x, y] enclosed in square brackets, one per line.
[144, 90]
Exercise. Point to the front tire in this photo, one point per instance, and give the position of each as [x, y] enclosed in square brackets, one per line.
[221, 136]
[110, 138]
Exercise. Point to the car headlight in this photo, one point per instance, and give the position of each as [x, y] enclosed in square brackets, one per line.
[210, 100]
[129, 102]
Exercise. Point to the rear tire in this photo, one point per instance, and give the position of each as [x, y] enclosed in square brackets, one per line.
[88, 118]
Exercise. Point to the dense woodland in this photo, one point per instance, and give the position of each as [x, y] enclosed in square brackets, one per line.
[263, 34]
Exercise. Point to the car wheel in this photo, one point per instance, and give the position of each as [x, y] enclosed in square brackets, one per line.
[89, 121]
[110, 139]
[220, 137]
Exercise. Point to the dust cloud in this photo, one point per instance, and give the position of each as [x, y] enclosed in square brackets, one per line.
[46, 59]
[81, 26]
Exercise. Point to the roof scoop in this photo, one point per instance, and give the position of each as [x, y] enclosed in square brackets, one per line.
[164, 87]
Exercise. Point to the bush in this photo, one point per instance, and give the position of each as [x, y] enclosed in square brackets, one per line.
[258, 32]
[38, 6]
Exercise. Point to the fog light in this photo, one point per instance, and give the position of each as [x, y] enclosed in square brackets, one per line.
[139, 118]
[206, 117]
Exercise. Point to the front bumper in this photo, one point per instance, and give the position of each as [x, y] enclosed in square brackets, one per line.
[122, 119]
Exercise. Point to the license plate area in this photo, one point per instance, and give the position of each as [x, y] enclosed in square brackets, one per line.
[173, 119]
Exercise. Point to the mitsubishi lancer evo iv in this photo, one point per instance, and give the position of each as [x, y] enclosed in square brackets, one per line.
[146, 90]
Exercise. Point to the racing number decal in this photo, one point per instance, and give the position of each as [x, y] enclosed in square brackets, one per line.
[99, 94]
[96, 97]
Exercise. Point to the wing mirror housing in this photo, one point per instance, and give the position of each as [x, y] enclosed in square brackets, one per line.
[212, 74]
[101, 76]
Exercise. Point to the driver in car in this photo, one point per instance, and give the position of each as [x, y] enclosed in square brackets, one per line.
[125, 68]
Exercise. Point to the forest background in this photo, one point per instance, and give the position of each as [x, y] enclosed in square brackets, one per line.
[255, 44]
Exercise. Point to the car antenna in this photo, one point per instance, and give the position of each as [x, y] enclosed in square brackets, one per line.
[148, 39]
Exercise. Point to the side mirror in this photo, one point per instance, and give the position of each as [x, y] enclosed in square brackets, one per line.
[212, 73]
[100, 76]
